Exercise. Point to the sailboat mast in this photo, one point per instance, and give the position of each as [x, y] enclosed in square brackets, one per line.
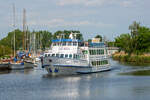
[14, 29]
[24, 30]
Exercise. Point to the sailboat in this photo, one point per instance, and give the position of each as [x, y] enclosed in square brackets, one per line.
[17, 64]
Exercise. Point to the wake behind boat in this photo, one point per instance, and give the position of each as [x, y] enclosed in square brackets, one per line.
[72, 56]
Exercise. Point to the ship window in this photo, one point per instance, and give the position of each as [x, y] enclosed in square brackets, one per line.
[70, 56]
[94, 63]
[106, 61]
[74, 43]
[102, 51]
[98, 63]
[98, 52]
[64, 43]
[85, 52]
[48, 55]
[94, 52]
[53, 55]
[69, 43]
[90, 52]
[62, 55]
[54, 44]
[45, 55]
[57, 55]
[74, 56]
[66, 55]
[59, 44]
[78, 57]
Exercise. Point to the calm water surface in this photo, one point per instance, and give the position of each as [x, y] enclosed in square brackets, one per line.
[119, 84]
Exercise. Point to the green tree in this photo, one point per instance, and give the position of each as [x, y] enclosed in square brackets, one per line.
[137, 42]
[99, 36]
[134, 27]
[143, 40]
[46, 39]
[123, 41]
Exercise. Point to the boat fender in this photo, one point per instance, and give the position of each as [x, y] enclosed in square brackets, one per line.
[56, 70]
[50, 70]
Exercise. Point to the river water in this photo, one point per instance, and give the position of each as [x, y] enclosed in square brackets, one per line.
[123, 82]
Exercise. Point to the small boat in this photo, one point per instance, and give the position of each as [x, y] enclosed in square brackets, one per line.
[4, 66]
[16, 66]
[72, 56]
[21, 65]
[29, 64]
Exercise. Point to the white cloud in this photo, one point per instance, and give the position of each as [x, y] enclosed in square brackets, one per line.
[127, 3]
[63, 23]
[82, 2]
[70, 2]
[95, 2]
[124, 3]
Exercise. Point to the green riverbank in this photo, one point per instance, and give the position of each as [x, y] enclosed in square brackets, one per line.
[145, 58]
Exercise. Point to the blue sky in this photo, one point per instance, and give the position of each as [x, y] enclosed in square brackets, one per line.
[108, 18]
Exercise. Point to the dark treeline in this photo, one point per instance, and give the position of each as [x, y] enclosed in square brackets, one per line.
[136, 42]
[41, 40]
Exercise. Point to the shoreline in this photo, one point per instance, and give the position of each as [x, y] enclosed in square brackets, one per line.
[120, 56]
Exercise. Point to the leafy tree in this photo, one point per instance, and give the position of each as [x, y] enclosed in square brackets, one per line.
[143, 40]
[123, 41]
[99, 36]
[89, 40]
[46, 39]
[111, 44]
[137, 42]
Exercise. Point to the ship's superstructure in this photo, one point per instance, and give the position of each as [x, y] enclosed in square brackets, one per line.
[70, 56]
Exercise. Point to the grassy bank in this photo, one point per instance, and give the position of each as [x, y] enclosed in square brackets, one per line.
[145, 58]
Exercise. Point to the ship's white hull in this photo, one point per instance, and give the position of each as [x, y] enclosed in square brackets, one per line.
[59, 70]
[65, 66]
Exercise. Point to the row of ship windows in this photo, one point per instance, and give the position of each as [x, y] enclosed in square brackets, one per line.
[63, 55]
[66, 44]
[97, 52]
[95, 63]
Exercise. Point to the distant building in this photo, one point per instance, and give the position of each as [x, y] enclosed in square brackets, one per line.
[112, 50]
[95, 40]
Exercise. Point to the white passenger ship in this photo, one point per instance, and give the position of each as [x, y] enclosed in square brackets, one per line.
[72, 56]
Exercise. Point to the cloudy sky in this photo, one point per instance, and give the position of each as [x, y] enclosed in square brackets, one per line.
[106, 17]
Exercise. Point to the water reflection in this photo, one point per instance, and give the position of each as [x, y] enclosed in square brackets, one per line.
[138, 73]
[5, 72]
[36, 84]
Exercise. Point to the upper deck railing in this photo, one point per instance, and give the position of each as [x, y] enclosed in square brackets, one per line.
[97, 45]
[66, 40]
